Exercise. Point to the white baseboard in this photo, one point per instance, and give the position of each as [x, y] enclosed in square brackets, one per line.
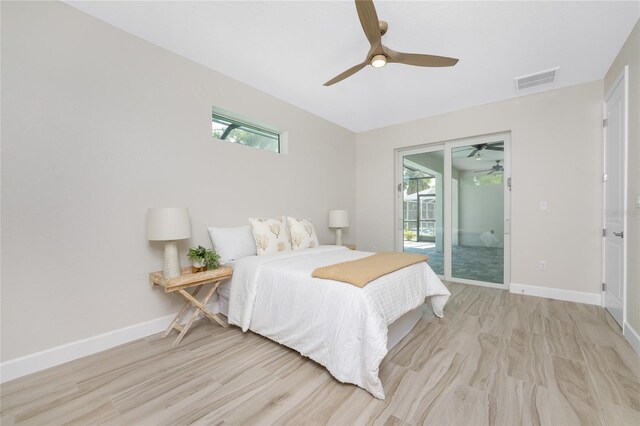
[31, 363]
[42, 360]
[632, 337]
[557, 293]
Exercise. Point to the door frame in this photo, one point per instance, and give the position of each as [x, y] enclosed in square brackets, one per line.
[446, 147]
[623, 78]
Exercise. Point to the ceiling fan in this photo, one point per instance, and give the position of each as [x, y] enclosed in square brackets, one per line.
[496, 168]
[495, 146]
[378, 54]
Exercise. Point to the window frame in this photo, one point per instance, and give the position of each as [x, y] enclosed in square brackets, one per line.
[233, 124]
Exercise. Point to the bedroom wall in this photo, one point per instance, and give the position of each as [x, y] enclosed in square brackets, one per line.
[98, 126]
[630, 55]
[556, 157]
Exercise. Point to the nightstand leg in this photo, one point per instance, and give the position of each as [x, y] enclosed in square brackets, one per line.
[206, 312]
[185, 328]
[181, 312]
[200, 307]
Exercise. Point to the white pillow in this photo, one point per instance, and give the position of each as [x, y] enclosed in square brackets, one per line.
[270, 235]
[302, 233]
[232, 243]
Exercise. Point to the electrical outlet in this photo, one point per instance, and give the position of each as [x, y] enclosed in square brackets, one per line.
[542, 265]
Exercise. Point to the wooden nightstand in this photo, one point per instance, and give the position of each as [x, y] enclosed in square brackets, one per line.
[196, 281]
[350, 246]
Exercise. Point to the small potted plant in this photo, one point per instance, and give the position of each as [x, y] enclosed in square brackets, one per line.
[203, 259]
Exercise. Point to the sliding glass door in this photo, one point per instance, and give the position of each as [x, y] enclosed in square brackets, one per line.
[453, 206]
[423, 205]
[477, 239]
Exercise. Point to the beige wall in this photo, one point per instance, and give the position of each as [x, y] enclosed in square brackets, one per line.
[97, 126]
[630, 55]
[556, 157]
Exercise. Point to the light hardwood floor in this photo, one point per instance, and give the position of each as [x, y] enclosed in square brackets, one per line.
[496, 358]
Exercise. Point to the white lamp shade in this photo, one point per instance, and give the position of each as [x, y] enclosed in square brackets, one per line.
[338, 219]
[168, 224]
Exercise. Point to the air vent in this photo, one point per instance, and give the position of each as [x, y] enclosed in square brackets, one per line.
[537, 79]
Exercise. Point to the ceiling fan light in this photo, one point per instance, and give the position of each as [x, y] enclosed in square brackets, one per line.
[378, 61]
[478, 158]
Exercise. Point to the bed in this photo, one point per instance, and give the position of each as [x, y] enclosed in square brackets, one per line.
[347, 329]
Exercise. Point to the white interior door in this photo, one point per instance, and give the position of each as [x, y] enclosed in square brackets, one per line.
[614, 200]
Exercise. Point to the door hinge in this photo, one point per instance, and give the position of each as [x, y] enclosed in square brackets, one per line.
[399, 187]
[509, 183]
[605, 122]
[604, 177]
[604, 287]
[604, 232]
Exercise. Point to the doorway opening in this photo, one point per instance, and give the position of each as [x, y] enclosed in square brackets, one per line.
[423, 207]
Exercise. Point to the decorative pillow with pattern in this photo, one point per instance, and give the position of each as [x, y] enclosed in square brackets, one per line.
[270, 235]
[302, 233]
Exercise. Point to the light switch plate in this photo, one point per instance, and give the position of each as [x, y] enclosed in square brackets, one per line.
[543, 205]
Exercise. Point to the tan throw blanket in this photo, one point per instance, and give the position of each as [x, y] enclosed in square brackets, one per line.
[362, 271]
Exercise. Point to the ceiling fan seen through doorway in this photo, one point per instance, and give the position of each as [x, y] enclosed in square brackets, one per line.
[496, 168]
[495, 146]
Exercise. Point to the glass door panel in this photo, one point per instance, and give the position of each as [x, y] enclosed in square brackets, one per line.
[477, 210]
[423, 206]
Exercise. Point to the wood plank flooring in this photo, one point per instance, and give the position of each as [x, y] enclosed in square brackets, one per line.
[496, 358]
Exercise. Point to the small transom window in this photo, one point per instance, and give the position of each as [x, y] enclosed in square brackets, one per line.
[232, 130]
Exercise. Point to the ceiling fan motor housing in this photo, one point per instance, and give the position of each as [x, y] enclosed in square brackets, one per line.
[384, 27]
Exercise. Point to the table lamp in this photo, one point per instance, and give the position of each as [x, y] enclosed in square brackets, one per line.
[338, 219]
[169, 224]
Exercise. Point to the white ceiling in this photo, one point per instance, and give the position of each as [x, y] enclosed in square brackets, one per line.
[289, 49]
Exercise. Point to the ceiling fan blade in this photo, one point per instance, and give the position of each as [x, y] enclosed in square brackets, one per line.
[494, 148]
[482, 171]
[369, 20]
[346, 74]
[419, 59]
[472, 153]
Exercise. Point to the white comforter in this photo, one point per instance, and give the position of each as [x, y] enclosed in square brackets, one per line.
[338, 325]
